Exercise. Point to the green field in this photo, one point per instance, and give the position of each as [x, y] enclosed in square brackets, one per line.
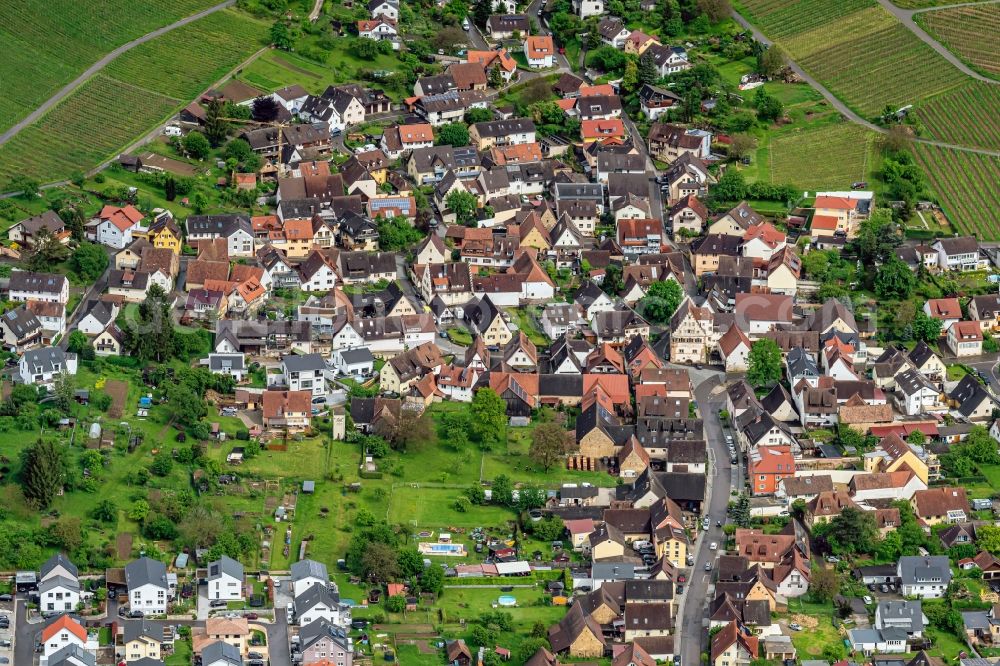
[105, 114]
[923, 4]
[969, 32]
[965, 116]
[857, 49]
[965, 185]
[823, 157]
[46, 45]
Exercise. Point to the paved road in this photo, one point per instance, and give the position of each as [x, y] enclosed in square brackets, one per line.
[278, 651]
[92, 293]
[317, 8]
[24, 636]
[696, 599]
[842, 108]
[905, 17]
[101, 64]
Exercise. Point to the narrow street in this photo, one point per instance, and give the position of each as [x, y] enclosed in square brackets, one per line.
[691, 633]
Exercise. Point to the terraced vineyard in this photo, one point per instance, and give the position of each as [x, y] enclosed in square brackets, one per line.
[923, 4]
[785, 18]
[47, 44]
[826, 157]
[864, 56]
[966, 187]
[966, 116]
[968, 32]
[108, 112]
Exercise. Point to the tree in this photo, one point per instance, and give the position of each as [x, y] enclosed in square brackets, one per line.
[894, 279]
[162, 464]
[432, 580]
[105, 511]
[281, 36]
[647, 69]
[769, 108]
[265, 109]
[503, 490]
[239, 150]
[410, 561]
[742, 145]
[216, 129]
[463, 204]
[988, 538]
[549, 443]
[825, 584]
[496, 79]
[63, 391]
[67, 533]
[740, 511]
[196, 145]
[477, 115]
[379, 563]
[89, 261]
[612, 283]
[715, 10]
[139, 510]
[43, 472]
[150, 335]
[453, 134]
[489, 416]
[630, 79]
[481, 12]
[899, 139]
[608, 59]
[731, 186]
[74, 218]
[877, 237]
[396, 234]
[414, 432]
[527, 649]
[764, 364]
[853, 531]
[549, 529]
[771, 61]
[661, 301]
[26, 185]
[46, 250]
[926, 328]
[170, 188]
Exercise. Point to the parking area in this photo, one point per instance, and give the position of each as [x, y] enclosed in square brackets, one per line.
[7, 622]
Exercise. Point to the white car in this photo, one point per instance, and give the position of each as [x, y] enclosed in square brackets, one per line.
[867, 600]
[713, 546]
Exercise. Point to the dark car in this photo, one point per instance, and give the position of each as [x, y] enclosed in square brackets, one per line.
[6, 597]
[251, 616]
[218, 603]
[135, 613]
[254, 655]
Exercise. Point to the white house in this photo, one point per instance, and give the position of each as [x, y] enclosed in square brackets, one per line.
[233, 365]
[114, 226]
[587, 8]
[871, 641]
[220, 653]
[924, 577]
[63, 633]
[306, 573]
[318, 602]
[357, 362]
[235, 228]
[304, 372]
[316, 273]
[148, 590]
[42, 366]
[916, 395]
[539, 50]
[959, 254]
[99, 315]
[31, 286]
[59, 586]
[734, 349]
[905, 615]
[225, 580]
[384, 8]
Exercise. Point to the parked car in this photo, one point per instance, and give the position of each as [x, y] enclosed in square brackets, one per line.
[713, 546]
[832, 559]
[867, 600]
[6, 597]
[680, 589]
[795, 626]
[254, 655]
[251, 616]
[218, 603]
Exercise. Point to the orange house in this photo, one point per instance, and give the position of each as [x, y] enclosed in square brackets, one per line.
[768, 466]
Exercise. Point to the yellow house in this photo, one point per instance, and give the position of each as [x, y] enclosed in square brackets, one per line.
[488, 321]
[164, 233]
[534, 235]
[893, 455]
[672, 543]
[835, 213]
[936, 506]
[235, 631]
[298, 237]
[606, 541]
[577, 634]
[736, 221]
[142, 641]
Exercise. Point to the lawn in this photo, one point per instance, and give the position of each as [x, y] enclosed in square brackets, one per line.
[527, 322]
[460, 336]
[812, 641]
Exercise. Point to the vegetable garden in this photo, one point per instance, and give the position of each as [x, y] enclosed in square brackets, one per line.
[108, 112]
[968, 32]
[46, 44]
[965, 184]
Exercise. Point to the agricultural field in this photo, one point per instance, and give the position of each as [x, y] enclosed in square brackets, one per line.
[966, 116]
[927, 4]
[46, 45]
[827, 156]
[965, 185]
[866, 57]
[969, 33]
[140, 89]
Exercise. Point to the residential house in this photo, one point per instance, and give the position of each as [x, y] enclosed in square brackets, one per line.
[42, 366]
[148, 591]
[323, 642]
[26, 232]
[31, 286]
[655, 101]
[491, 133]
[965, 338]
[400, 139]
[115, 226]
[234, 228]
[225, 580]
[20, 329]
[733, 646]
[960, 253]
[905, 615]
[940, 505]
[926, 577]
[668, 142]
[539, 50]
[767, 465]
[304, 372]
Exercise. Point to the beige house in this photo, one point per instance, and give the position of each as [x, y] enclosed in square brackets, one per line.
[692, 333]
[234, 631]
[142, 640]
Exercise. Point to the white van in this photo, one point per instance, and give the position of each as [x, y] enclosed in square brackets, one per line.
[465, 24]
[172, 130]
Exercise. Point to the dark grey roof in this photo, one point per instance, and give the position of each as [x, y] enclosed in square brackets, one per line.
[73, 655]
[45, 283]
[226, 361]
[959, 245]
[45, 359]
[316, 594]
[321, 628]
[58, 560]
[568, 191]
[145, 571]
[501, 128]
[594, 106]
[309, 569]
[303, 362]
[219, 652]
[683, 487]
[218, 225]
[801, 364]
[142, 629]
[225, 565]
[921, 353]
[102, 311]
[22, 322]
[910, 381]
[59, 581]
[357, 355]
[908, 614]
[915, 569]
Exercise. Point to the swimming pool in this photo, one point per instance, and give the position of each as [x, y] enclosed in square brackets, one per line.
[507, 600]
[446, 549]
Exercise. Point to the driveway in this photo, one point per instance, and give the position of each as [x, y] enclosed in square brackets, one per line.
[25, 634]
[277, 639]
[693, 612]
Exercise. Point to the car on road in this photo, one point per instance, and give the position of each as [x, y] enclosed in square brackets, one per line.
[713, 546]
[5, 644]
[705, 524]
[465, 24]
[708, 566]
[135, 614]
[795, 626]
